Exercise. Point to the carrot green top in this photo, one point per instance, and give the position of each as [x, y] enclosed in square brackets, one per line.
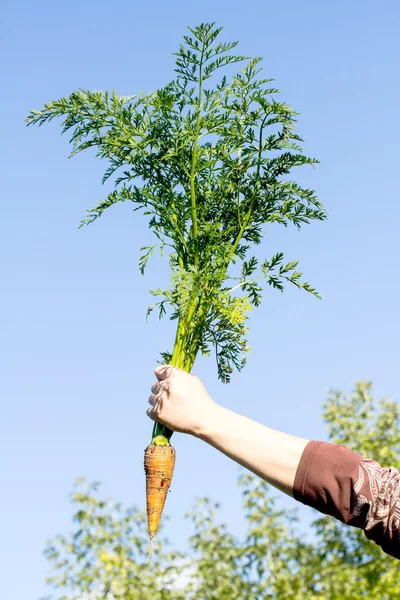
[207, 160]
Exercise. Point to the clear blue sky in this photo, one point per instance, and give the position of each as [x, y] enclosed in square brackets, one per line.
[77, 356]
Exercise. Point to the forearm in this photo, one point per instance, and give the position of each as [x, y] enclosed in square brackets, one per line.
[268, 453]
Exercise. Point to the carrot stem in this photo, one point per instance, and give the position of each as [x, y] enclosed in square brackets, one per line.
[160, 431]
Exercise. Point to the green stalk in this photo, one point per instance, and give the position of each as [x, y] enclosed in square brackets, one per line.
[161, 434]
[181, 358]
[250, 210]
[193, 170]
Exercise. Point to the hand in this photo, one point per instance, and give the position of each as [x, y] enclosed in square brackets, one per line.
[180, 401]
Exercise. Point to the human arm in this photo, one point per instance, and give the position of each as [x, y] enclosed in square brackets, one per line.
[181, 402]
[328, 477]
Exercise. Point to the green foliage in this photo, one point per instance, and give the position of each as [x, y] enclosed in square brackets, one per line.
[103, 558]
[208, 161]
[370, 428]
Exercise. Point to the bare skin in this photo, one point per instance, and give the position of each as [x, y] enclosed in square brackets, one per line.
[181, 402]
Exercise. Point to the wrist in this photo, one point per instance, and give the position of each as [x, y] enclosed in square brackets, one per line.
[210, 423]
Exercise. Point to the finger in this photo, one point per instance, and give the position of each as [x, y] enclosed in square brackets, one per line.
[156, 400]
[155, 413]
[150, 413]
[156, 388]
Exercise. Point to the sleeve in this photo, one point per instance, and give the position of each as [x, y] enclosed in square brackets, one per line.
[357, 491]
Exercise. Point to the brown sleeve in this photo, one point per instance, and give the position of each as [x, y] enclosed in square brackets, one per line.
[357, 491]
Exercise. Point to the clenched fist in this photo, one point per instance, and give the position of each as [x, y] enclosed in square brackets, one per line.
[180, 401]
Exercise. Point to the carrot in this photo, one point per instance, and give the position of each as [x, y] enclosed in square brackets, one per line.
[193, 214]
[159, 463]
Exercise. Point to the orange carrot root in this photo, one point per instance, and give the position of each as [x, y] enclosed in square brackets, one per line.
[159, 463]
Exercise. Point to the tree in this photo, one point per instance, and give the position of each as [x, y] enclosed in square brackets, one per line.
[105, 556]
